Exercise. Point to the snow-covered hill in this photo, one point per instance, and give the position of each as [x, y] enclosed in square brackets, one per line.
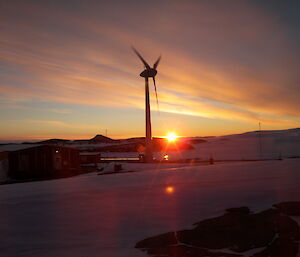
[247, 146]
[92, 215]
[250, 145]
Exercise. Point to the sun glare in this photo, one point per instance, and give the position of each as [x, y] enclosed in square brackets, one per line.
[169, 189]
[171, 137]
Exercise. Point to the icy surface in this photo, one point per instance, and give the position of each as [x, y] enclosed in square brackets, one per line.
[93, 215]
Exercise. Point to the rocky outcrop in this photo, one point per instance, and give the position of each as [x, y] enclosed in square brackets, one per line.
[270, 233]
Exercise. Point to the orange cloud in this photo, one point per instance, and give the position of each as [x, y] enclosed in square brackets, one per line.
[219, 61]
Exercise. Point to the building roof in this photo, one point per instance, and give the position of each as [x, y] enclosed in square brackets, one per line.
[19, 149]
[89, 154]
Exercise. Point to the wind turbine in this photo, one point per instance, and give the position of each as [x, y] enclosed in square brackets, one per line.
[148, 73]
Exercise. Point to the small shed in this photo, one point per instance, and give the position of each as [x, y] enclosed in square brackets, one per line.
[87, 159]
[44, 161]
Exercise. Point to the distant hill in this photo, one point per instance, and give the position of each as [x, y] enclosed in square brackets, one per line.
[285, 134]
[54, 141]
[98, 139]
[271, 133]
[95, 140]
[102, 139]
[138, 145]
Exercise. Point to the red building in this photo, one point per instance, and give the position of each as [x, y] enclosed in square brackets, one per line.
[44, 161]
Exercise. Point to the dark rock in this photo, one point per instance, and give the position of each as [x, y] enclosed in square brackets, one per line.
[187, 251]
[241, 210]
[158, 241]
[289, 208]
[237, 230]
[281, 247]
[287, 227]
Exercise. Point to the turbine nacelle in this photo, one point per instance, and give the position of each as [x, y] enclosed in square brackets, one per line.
[151, 73]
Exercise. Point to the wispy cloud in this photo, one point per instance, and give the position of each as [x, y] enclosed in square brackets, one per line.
[60, 111]
[61, 124]
[220, 60]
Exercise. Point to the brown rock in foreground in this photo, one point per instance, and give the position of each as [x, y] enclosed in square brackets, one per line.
[289, 208]
[272, 232]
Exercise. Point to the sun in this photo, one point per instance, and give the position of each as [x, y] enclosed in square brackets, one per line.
[171, 137]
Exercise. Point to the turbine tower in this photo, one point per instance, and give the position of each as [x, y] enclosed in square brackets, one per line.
[148, 73]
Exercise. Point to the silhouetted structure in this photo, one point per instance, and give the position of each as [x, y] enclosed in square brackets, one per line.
[89, 158]
[148, 73]
[44, 161]
[3, 165]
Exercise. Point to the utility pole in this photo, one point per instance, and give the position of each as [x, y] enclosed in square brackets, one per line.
[260, 143]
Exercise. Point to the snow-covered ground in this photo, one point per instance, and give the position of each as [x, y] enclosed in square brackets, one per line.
[91, 215]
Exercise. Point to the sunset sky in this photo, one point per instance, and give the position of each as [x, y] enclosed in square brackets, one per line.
[67, 69]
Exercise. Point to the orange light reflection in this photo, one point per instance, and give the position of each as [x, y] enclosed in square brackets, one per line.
[170, 189]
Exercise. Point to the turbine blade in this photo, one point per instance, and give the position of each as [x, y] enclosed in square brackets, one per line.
[156, 93]
[141, 58]
[157, 62]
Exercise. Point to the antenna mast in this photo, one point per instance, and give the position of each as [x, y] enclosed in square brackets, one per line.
[259, 138]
